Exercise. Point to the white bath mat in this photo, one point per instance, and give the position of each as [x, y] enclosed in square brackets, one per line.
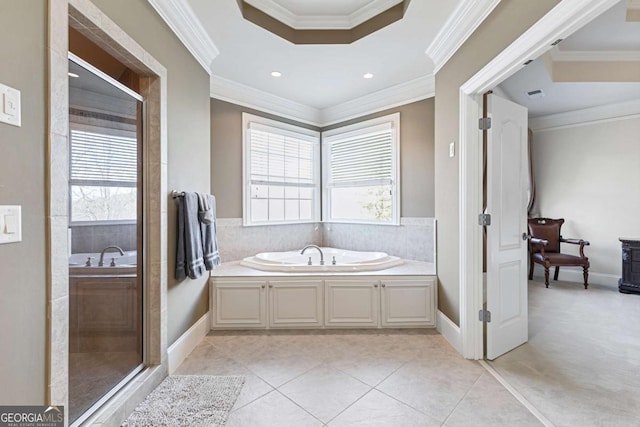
[188, 400]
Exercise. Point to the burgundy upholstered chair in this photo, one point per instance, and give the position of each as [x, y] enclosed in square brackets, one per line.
[544, 249]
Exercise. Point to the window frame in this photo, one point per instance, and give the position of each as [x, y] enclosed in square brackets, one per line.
[71, 182]
[343, 132]
[284, 128]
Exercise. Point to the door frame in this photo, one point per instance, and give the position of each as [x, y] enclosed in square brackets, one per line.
[88, 19]
[560, 22]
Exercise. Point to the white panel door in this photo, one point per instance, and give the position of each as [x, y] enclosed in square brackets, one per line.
[507, 198]
[408, 302]
[295, 303]
[351, 303]
[239, 304]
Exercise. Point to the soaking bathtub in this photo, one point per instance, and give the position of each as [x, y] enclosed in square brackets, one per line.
[125, 265]
[335, 260]
[273, 290]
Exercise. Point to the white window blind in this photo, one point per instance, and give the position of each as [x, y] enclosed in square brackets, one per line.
[281, 172]
[361, 160]
[361, 170]
[102, 159]
[103, 175]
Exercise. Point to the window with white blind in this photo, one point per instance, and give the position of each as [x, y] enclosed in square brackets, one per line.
[361, 172]
[103, 175]
[281, 172]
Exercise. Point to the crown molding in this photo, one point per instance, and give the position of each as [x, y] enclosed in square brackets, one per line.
[558, 55]
[370, 10]
[535, 41]
[247, 96]
[466, 17]
[394, 96]
[179, 16]
[322, 22]
[622, 110]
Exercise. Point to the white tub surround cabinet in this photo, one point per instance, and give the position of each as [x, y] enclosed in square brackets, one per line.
[400, 297]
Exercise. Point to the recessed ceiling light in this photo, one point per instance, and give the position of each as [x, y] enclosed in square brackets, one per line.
[276, 73]
[368, 76]
[74, 75]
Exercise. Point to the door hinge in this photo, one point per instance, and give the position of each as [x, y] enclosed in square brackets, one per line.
[484, 123]
[484, 316]
[484, 219]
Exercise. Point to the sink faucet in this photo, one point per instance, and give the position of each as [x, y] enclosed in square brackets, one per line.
[117, 248]
[314, 247]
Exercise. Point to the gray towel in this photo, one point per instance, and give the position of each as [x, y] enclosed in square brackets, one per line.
[205, 214]
[189, 238]
[181, 261]
[208, 229]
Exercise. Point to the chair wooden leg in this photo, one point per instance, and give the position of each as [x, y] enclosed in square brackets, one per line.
[555, 273]
[546, 276]
[585, 274]
[530, 269]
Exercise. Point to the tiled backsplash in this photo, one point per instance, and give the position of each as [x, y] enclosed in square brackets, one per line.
[414, 239]
[236, 241]
[94, 238]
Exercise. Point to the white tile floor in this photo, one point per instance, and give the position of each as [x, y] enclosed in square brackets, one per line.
[355, 378]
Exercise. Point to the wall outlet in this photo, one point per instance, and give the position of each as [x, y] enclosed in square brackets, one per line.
[452, 149]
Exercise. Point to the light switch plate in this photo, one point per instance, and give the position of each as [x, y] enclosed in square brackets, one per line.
[10, 224]
[10, 110]
[452, 149]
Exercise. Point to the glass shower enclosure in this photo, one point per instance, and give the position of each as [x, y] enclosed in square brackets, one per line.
[105, 235]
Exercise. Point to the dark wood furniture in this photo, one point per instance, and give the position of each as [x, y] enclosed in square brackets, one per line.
[629, 283]
[544, 249]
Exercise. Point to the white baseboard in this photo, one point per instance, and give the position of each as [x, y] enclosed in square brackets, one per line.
[449, 330]
[184, 345]
[575, 275]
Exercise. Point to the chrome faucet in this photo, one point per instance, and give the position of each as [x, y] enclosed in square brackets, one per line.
[117, 248]
[314, 247]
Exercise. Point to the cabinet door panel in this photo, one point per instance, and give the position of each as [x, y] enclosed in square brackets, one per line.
[239, 304]
[351, 303]
[295, 303]
[103, 304]
[408, 302]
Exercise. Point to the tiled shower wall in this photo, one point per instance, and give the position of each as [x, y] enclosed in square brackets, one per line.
[414, 239]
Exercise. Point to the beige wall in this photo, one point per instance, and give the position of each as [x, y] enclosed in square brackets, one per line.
[592, 180]
[22, 162]
[416, 151]
[188, 138]
[506, 23]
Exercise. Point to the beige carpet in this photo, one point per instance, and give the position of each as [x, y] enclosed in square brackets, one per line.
[581, 366]
[188, 400]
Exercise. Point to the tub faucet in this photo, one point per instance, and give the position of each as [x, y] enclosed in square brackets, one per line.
[117, 248]
[314, 247]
